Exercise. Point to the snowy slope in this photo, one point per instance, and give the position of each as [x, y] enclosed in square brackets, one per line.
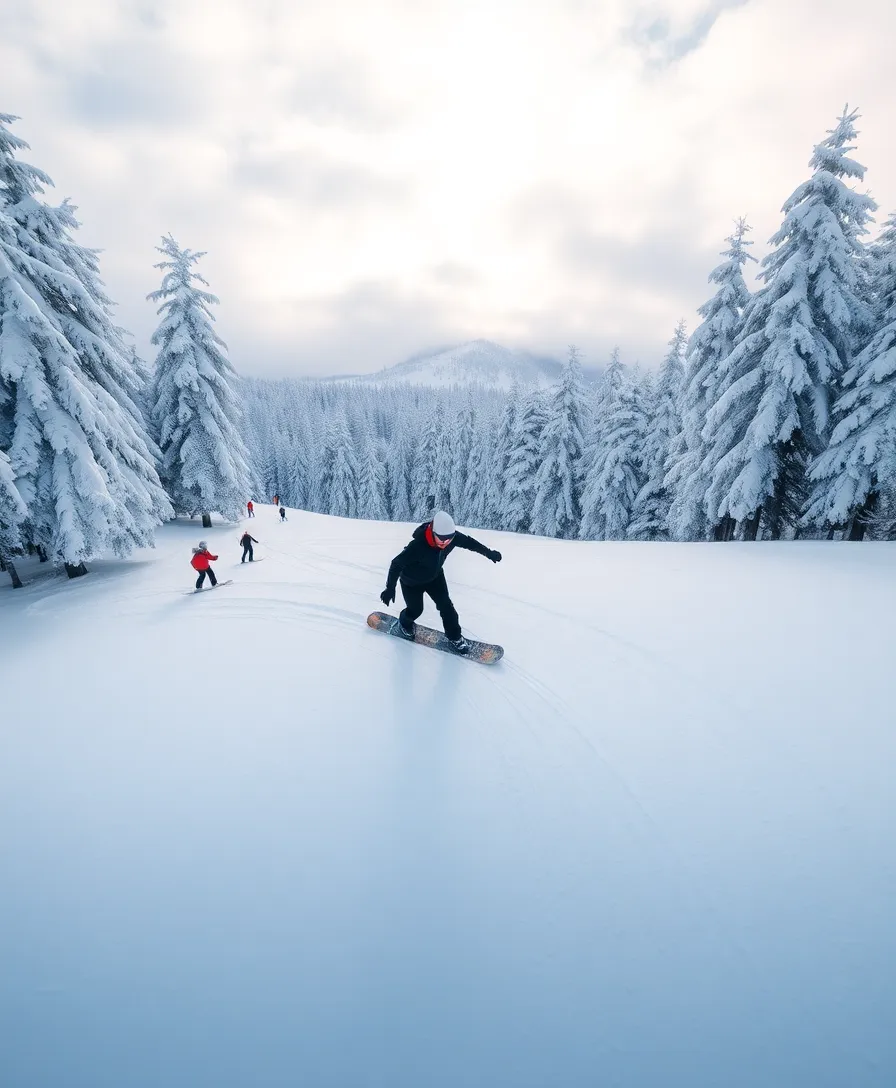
[246, 841]
[478, 362]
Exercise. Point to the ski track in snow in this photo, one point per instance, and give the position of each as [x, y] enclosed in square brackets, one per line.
[575, 841]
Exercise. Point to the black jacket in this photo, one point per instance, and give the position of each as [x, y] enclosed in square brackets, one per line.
[420, 562]
[246, 540]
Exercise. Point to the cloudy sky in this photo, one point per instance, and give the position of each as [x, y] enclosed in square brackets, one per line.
[372, 178]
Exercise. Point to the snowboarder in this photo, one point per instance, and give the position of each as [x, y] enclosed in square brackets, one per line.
[419, 567]
[202, 557]
[247, 541]
[276, 500]
[282, 514]
[250, 506]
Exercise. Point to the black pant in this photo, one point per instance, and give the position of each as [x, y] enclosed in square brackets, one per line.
[211, 577]
[438, 590]
[247, 550]
[251, 513]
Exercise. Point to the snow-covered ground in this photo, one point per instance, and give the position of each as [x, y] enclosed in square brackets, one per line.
[245, 841]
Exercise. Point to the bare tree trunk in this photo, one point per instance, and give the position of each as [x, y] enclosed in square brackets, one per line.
[858, 524]
[751, 525]
[75, 570]
[724, 530]
[7, 564]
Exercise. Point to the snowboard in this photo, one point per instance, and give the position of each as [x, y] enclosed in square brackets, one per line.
[229, 582]
[483, 652]
[248, 561]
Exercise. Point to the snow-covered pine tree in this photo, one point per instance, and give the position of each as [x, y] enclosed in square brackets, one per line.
[283, 451]
[650, 514]
[204, 459]
[475, 504]
[492, 508]
[143, 397]
[255, 431]
[879, 256]
[441, 478]
[80, 455]
[523, 463]
[598, 397]
[709, 345]
[795, 345]
[558, 482]
[861, 455]
[342, 499]
[384, 453]
[292, 440]
[606, 386]
[398, 463]
[271, 472]
[12, 514]
[429, 451]
[320, 467]
[461, 448]
[371, 480]
[300, 473]
[615, 477]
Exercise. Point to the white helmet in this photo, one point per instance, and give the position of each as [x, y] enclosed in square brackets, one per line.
[443, 524]
[203, 545]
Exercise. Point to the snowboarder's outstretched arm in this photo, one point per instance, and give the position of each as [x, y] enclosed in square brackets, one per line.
[461, 540]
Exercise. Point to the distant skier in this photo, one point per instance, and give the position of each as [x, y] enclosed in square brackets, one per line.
[282, 514]
[276, 500]
[419, 567]
[250, 507]
[202, 557]
[247, 541]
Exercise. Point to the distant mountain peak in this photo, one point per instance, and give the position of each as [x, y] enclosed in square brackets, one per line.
[475, 362]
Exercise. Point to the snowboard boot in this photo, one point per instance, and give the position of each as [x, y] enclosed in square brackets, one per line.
[403, 632]
[459, 645]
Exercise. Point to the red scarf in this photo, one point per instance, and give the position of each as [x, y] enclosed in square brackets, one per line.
[431, 540]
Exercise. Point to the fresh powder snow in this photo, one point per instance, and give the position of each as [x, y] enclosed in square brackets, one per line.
[248, 841]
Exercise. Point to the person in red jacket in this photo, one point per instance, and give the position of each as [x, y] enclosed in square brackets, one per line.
[202, 557]
[250, 506]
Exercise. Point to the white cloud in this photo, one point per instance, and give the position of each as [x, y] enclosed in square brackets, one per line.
[665, 33]
[369, 179]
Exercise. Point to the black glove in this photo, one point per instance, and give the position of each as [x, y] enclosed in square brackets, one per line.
[387, 596]
[495, 556]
